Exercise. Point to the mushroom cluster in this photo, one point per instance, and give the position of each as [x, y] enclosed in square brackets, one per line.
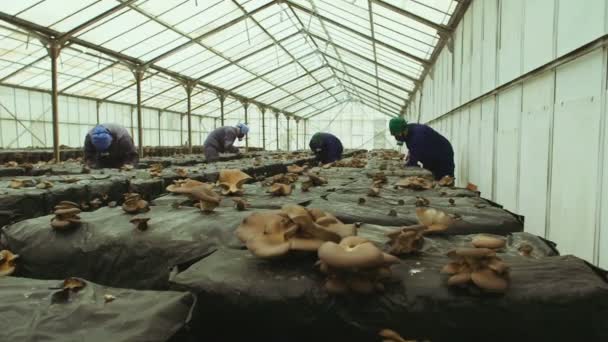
[314, 179]
[156, 170]
[283, 178]
[379, 179]
[182, 172]
[140, 222]
[66, 216]
[19, 183]
[7, 262]
[297, 169]
[44, 185]
[415, 183]
[207, 199]
[231, 181]
[479, 266]
[446, 181]
[293, 228]
[351, 162]
[68, 288]
[408, 240]
[354, 265]
[134, 204]
[183, 186]
[389, 335]
[280, 189]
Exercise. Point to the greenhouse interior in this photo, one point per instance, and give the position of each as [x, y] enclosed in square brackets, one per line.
[309, 170]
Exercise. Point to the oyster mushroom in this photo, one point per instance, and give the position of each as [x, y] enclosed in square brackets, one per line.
[433, 219]
[183, 186]
[240, 204]
[479, 266]
[208, 199]
[406, 240]
[279, 189]
[140, 223]
[392, 336]
[44, 185]
[316, 180]
[16, 184]
[156, 170]
[306, 186]
[295, 169]
[446, 181]
[373, 192]
[351, 252]
[135, 204]
[7, 262]
[415, 183]
[487, 241]
[65, 217]
[182, 172]
[232, 181]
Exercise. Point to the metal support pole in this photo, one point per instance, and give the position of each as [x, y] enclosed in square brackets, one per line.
[214, 123]
[263, 110]
[297, 133]
[222, 98]
[288, 147]
[159, 115]
[305, 121]
[98, 106]
[276, 117]
[246, 106]
[54, 49]
[189, 87]
[139, 75]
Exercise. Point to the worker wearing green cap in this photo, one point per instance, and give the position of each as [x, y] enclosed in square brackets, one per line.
[326, 147]
[425, 145]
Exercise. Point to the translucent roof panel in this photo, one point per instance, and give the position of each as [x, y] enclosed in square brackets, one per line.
[294, 55]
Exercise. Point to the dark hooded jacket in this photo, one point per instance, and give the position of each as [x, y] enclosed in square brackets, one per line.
[330, 148]
[122, 150]
[432, 149]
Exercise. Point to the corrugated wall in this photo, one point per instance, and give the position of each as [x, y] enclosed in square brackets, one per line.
[531, 138]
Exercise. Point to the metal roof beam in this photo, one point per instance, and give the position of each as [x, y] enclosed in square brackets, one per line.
[327, 108]
[305, 88]
[440, 28]
[66, 36]
[287, 82]
[207, 34]
[411, 78]
[422, 61]
[375, 87]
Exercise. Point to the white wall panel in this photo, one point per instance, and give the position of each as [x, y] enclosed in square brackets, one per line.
[476, 48]
[579, 23]
[511, 22]
[603, 229]
[538, 33]
[507, 147]
[534, 163]
[575, 155]
[457, 65]
[490, 27]
[474, 144]
[462, 162]
[465, 84]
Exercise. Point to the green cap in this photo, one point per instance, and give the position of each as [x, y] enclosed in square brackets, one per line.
[397, 125]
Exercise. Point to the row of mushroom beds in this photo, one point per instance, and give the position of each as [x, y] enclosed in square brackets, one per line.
[352, 264]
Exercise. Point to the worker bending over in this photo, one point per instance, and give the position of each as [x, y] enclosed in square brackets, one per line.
[326, 147]
[221, 140]
[425, 145]
[109, 146]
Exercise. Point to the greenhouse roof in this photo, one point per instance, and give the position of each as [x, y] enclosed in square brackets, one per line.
[298, 57]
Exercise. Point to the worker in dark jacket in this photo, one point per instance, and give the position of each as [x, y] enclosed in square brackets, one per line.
[425, 145]
[221, 140]
[109, 146]
[326, 147]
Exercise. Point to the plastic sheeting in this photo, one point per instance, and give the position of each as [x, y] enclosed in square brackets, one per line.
[28, 313]
[549, 298]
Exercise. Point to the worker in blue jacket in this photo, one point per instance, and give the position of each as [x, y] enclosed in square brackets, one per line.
[326, 147]
[425, 145]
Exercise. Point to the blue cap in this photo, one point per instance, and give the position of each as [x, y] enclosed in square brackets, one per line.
[101, 138]
[243, 129]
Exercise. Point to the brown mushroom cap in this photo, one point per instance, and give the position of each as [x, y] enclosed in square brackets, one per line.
[433, 219]
[60, 224]
[205, 194]
[7, 262]
[498, 266]
[352, 252]
[308, 245]
[140, 222]
[269, 245]
[256, 224]
[489, 281]
[486, 241]
[451, 268]
[295, 169]
[279, 189]
[391, 335]
[231, 180]
[183, 186]
[459, 279]
[334, 285]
